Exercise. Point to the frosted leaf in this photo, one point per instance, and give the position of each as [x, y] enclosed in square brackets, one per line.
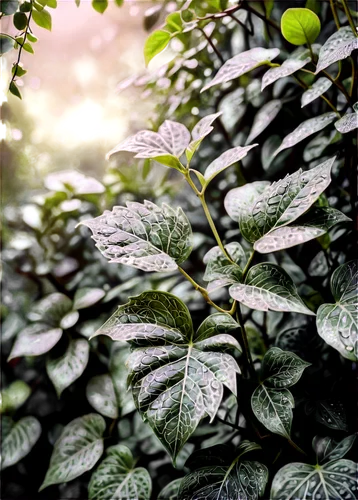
[19, 440]
[338, 46]
[226, 159]
[297, 60]
[77, 449]
[101, 395]
[35, 340]
[143, 236]
[269, 287]
[117, 477]
[65, 370]
[305, 129]
[318, 88]
[176, 376]
[263, 118]
[238, 201]
[273, 409]
[347, 123]
[241, 64]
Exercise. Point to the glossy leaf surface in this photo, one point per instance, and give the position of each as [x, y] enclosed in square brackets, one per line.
[101, 395]
[282, 368]
[273, 409]
[219, 270]
[18, 440]
[347, 123]
[263, 118]
[297, 60]
[338, 46]
[328, 449]
[317, 89]
[225, 160]
[35, 340]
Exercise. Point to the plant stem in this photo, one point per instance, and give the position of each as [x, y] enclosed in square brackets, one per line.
[20, 49]
[296, 447]
[349, 17]
[353, 77]
[338, 85]
[212, 45]
[334, 12]
[262, 17]
[245, 343]
[248, 263]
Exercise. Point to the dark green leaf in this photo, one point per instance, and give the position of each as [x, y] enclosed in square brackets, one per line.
[100, 5]
[327, 449]
[6, 44]
[8, 7]
[273, 409]
[20, 20]
[282, 368]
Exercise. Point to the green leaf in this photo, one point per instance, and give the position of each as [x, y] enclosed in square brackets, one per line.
[317, 89]
[119, 374]
[331, 413]
[300, 26]
[273, 409]
[77, 450]
[19, 70]
[284, 201]
[19, 440]
[20, 20]
[75, 182]
[327, 449]
[338, 46]
[8, 7]
[65, 370]
[42, 18]
[297, 60]
[174, 22]
[143, 236]
[269, 4]
[27, 47]
[55, 310]
[13, 89]
[6, 44]
[199, 132]
[347, 123]
[336, 479]
[337, 323]
[171, 490]
[263, 118]
[225, 160]
[14, 396]
[268, 287]
[116, 477]
[101, 396]
[241, 64]
[35, 340]
[240, 480]
[155, 43]
[282, 368]
[87, 297]
[100, 5]
[219, 270]
[239, 201]
[32, 38]
[176, 376]
[25, 7]
[52, 4]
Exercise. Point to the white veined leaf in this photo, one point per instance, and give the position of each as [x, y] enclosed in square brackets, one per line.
[273, 409]
[313, 224]
[317, 145]
[76, 182]
[219, 270]
[337, 479]
[337, 323]
[347, 123]
[176, 379]
[238, 201]
[19, 440]
[143, 236]
[35, 340]
[241, 64]
[268, 287]
[54, 310]
[318, 88]
[119, 373]
[101, 395]
[332, 414]
[226, 159]
[338, 46]
[305, 129]
[87, 297]
[244, 480]
[171, 490]
[327, 449]
[65, 370]
[297, 60]
[77, 450]
[263, 118]
[284, 202]
[117, 477]
[282, 368]
[199, 132]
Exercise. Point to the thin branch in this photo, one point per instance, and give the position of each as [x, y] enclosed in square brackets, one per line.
[20, 49]
[212, 45]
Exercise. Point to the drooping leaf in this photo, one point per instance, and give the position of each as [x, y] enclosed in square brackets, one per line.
[268, 287]
[239, 201]
[77, 450]
[100, 5]
[35, 340]
[155, 43]
[347, 123]
[117, 477]
[338, 46]
[18, 441]
[282, 368]
[65, 370]
[87, 297]
[171, 490]
[313, 224]
[219, 270]
[327, 449]
[273, 409]
[263, 118]
[101, 396]
[318, 88]
[297, 60]
[336, 479]
[143, 236]
[199, 132]
[241, 64]
[225, 160]
[14, 90]
[337, 323]
[300, 26]
[76, 182]
[42, 18]
[175, 378]
[283, 202]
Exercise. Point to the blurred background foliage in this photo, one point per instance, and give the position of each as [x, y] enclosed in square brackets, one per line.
[87, 88]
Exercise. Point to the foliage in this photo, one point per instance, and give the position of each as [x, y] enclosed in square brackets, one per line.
[209, 411]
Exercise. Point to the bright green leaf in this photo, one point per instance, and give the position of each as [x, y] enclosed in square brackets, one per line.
[100, 5]
[155, 43]
[300, 26]
[42, 19]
